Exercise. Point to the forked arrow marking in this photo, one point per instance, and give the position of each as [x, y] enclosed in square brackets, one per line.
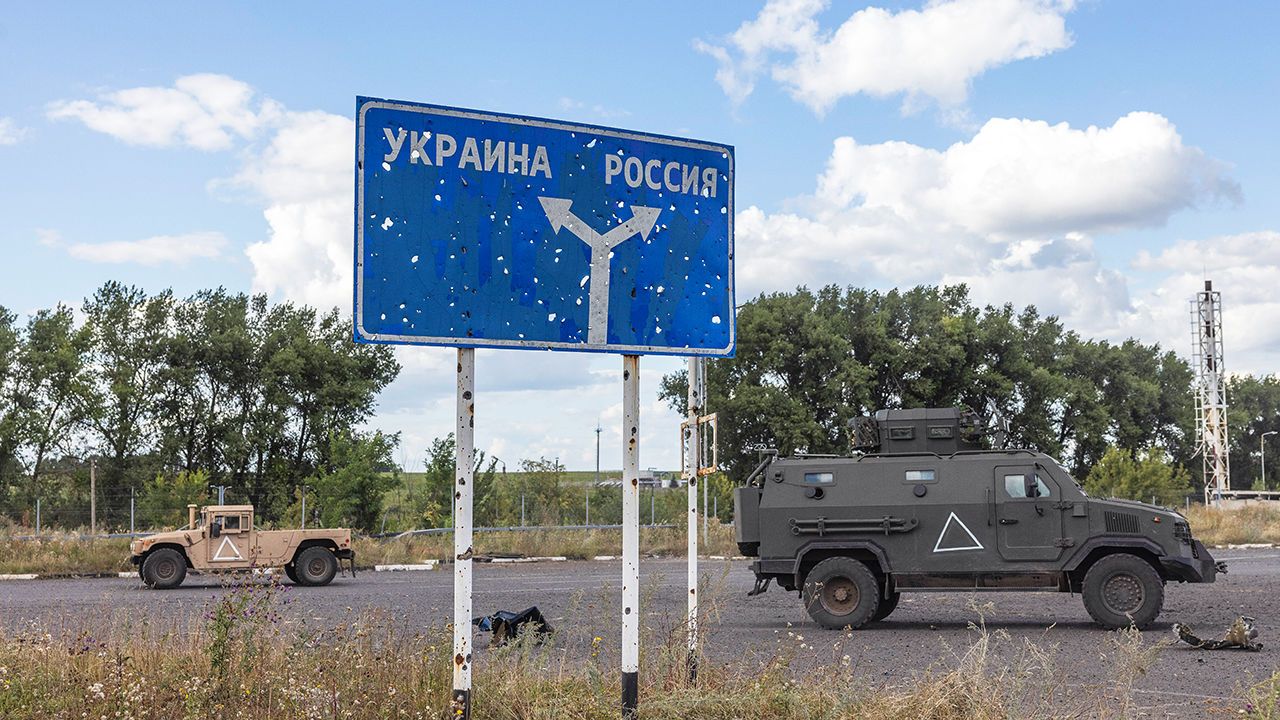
[641, 222]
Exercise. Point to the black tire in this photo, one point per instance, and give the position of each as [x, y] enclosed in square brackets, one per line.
[315, 566]
[292, 573]
[164, 569]
[841, 592]
[887, 606]
[1122, 590]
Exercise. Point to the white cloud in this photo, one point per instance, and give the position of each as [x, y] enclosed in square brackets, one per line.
[934, 52]
[1243, 268]
[48, 238]
[1014, 213]
[569, 104]
[304, 176]
[152, 251]
[1018, 177]
[205, 111]
[10, 133]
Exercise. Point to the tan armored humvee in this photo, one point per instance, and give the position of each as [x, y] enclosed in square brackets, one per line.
[222, 537]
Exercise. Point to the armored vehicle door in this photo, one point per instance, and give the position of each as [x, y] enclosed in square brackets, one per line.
[230, 539]
[1028, 518]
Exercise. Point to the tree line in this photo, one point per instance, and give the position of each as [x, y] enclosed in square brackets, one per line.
[167, 395]
[808, 362]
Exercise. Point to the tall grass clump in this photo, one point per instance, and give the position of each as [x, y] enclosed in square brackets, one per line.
[1249, 524]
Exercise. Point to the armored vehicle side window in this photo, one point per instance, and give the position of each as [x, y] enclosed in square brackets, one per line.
[940, 432]
[919, 476]
[819, 478]
[231, 522]
[1025, 486]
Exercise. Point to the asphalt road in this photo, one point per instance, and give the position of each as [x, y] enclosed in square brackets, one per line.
[927, 631]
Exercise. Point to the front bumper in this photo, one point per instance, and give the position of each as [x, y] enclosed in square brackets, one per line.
[1197, 566]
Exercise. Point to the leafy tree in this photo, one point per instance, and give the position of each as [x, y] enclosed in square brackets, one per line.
[807, 363]
[164, 498]
[1253, 409]
[432, 500]
[11, 431]
[130, 331]
[1142, 476]
[53, 393]
[349, 490]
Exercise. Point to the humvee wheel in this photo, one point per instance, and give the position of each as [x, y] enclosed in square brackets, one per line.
[315, 566]
[841, 592]
[292, 573]
[164, 568]
[1123, 589]
[887, 606]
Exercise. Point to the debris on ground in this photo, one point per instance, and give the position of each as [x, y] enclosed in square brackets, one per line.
[506, 625]
[1240, 636]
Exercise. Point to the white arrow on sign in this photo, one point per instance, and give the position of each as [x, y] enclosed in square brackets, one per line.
[641, 222]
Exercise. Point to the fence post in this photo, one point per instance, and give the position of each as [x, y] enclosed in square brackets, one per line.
[131, 495]
[521, 509]
[37, 517]
[93, 496]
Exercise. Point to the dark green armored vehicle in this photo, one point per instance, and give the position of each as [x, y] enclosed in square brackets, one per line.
[923, 506]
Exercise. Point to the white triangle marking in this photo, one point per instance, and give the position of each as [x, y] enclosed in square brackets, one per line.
[937, 547]
[226, 543]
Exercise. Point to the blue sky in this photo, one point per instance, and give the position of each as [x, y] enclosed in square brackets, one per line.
[1094, 158]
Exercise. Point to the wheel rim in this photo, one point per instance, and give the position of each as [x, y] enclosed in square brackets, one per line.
[1123, 593]
[166, 569]
[839, 595]
[315, 567]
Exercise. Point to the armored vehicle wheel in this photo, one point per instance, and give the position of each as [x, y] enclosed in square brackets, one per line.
[164, 568]
[1123, 589]
[315, 566]
[292, 573]
[841, 592]
[887, 606]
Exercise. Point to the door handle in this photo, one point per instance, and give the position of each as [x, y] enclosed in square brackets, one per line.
[1008, 521]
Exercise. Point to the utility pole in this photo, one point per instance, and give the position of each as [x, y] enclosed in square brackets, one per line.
[131, 499]
[304, 507]
[222, 492]
[93, 496]
[1263, 448]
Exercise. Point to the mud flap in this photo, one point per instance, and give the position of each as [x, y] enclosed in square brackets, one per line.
[762, 584]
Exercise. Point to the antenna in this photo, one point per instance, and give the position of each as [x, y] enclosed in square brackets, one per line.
[1210, 392]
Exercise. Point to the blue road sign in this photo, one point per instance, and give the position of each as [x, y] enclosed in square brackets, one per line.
[478, 229]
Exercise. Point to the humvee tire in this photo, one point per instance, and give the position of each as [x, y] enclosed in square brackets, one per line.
[164, 569]
[1123, 589]
[887, 606]
[841, 592]
[315, 566]
[292, 573]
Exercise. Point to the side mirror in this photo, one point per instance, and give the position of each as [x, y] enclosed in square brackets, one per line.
[1032, 488]
[215, 530]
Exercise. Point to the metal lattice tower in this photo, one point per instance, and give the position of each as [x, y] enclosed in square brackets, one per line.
[1211, 391]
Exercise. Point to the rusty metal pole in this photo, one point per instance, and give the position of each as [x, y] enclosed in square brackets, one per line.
[630, 536]
[691, 459]
[464, 464]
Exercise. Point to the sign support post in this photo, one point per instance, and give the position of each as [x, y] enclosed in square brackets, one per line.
[560, 236]
[692, 458]
[630, 535]
[464, 464]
